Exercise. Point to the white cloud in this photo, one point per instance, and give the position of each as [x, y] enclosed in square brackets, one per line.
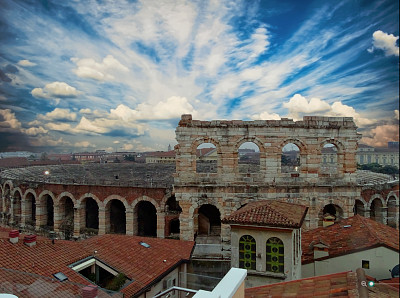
[26, 63]
[266, 116]
[34, 131]
[63, 127]
[87, 126]
[385, 42]
[84, 144]
[55, 90]
[45, 141]
[300, 105]
[89, 68]
[58, 114]
[8, 121]
[171, 108]
[381, 135]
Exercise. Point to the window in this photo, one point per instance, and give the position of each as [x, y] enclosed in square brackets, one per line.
[275, 255]
[365, 264]
[247, 252]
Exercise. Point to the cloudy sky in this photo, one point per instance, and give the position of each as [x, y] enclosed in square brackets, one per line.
[117, 75]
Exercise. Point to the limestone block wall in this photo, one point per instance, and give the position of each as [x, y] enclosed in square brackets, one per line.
[228, 189]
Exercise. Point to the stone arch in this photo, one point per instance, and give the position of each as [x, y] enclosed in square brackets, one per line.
[360, 207]
[89, 206]
[201, 163]
[46, 212]
[376, 208]
[7, 197]
[250, 162]
[64, 219]
[392, 194]
[206, 219]
[302, 154]
[17, 205]
[8, 183]
[330, 213]
[115, 211]
[337, 166]
[145, 211]
[29, 207]
[172, 211]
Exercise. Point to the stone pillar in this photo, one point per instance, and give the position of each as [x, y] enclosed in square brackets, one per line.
[3, 199]
[186, 223]
[23, 212]
[11, 210]
[77, 220]
[58, 217]
[41, 215]
[129, 221]
[160, 224]
[102, 220]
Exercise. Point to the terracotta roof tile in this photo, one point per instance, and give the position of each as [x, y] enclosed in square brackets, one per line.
[122, 252]
[349, 235]
[269, 213]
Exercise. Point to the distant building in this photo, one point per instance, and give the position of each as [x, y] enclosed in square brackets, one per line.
[380, 155]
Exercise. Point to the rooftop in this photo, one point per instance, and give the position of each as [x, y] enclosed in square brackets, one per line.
[143, 265]
[344, 284]
[269, 213]
[349, 235]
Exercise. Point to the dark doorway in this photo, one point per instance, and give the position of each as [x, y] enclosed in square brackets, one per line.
[147, 219]
[117, 217]
[50, 211]
[92, 214]
[209, 221]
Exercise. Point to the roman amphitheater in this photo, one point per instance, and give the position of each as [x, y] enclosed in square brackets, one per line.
[188, 199]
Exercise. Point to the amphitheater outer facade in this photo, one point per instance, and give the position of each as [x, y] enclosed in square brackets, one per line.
[206, 197]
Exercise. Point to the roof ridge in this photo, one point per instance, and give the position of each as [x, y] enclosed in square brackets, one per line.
[266, 204]
[284, 216]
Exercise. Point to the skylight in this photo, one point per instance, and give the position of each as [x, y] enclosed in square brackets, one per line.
[60, 276]
[144, 244]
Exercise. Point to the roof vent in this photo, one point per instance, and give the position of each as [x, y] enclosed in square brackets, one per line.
[60, 276]
[14, 236]
[30, 240]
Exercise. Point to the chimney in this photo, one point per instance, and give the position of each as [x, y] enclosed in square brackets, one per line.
[14, 236]
[30, 240]
[89, 292]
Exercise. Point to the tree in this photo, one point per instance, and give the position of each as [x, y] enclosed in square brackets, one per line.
[129, 157]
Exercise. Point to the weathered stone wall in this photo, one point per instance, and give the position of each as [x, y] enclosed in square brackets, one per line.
[228, 189]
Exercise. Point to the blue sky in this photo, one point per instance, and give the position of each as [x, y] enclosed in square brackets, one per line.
[89, 75]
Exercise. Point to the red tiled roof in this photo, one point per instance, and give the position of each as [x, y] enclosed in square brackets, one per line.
[204, 151]
[349, 235]
[13, 162]
[269, 213]
[161, 154]
[343, 284]
[121, 252]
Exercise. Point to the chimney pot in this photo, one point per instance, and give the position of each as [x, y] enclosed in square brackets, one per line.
[30, 240]
[14, 236]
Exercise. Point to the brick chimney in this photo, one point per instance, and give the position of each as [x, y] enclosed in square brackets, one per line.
[30, 240]
[14, 236]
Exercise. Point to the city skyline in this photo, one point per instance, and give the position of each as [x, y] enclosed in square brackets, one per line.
[93, 75]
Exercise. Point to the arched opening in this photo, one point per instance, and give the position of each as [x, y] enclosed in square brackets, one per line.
[147, 219]
[48, 219]
[330, 214]
[376, 210]
[249, 158]
[66, 210]
[206, 158]
[30, 210]
[359, 208]
[209, 221]
[172, 212]
[329, 161]
[91, 214]
[247, 252]
[391, 212]
[17, 208]
[116, 213]
[290, 159]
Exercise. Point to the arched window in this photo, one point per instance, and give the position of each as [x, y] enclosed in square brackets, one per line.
[247, 252]
[329, 162]
[275, 255]
[206, 158]
[290, 158]
[249, 158]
